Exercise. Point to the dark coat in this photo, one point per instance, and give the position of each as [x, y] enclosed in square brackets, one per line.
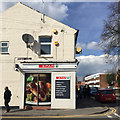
[7, 94]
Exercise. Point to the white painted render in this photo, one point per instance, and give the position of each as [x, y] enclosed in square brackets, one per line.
[19, 20]
[93, 76]
[64, 103]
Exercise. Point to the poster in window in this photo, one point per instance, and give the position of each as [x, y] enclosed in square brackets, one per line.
[38, 88]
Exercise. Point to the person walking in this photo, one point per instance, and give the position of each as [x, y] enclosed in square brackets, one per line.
[81, 92]
[88, 91]
[84, 91]
[7, 98]
[118, 79]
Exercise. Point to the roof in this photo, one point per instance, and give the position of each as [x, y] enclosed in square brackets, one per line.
[94, 76]
[43, 14]
[77, 31]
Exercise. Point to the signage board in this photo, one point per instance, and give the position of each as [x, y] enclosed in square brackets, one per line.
[47, 66]
[62, 87]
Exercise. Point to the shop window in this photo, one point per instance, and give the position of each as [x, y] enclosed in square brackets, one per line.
[45, 45]
[4, 47]
[38, 89]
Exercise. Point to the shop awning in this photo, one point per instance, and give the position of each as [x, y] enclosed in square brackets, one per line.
[48, 67]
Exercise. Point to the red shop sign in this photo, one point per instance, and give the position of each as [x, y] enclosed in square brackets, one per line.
[61, 77]
[47, 66]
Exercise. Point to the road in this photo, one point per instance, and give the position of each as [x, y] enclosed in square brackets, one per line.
[87, 109]
[113, 112]
[116, 106]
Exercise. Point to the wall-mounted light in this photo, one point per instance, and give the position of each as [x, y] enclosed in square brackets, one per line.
[56, 43]
[78, 50]
[55, 31]
[16, 67]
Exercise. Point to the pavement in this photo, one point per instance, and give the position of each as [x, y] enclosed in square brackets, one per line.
[85, 106]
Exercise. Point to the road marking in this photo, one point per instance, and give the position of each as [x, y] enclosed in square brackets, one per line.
[69, 116]
[109, 116]
[113, 110]
[116, 115]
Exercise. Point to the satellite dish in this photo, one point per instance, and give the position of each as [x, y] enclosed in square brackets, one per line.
[27, 38]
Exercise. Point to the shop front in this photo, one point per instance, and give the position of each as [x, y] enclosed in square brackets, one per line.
[37, 89]
[50, 85]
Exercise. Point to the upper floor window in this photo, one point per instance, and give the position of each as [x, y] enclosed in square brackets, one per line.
[45, 45]
[4, 47]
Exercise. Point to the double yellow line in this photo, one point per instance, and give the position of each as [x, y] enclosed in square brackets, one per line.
[113, 110]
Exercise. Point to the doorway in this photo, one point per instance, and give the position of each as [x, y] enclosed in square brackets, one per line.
[37, 89]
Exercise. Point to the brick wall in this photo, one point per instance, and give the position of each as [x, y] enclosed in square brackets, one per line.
[103, 81]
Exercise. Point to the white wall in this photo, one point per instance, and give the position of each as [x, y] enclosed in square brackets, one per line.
[20, 19]
[11, 78]
[17, 21]
[64, 103]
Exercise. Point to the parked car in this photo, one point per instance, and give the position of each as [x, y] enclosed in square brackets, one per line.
[105, 95]
[93, 91]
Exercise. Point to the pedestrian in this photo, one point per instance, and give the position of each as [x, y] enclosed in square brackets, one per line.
[80, 92]
[118, 78]
[7, 98]
[84, 91]
[77, 93]
[88, 91]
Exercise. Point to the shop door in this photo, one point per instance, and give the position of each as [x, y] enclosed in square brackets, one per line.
[38, 89]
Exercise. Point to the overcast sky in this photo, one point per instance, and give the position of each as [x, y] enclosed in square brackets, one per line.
[88, 18]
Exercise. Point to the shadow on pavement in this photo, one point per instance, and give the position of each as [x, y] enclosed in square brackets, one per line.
[18, 110]
[91, 102]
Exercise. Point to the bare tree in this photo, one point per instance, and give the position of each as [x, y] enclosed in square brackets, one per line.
[110, 37]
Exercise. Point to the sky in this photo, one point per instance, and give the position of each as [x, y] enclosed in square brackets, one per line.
[88, 18]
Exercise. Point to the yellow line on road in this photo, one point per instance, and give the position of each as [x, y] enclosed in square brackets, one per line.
[113, 110]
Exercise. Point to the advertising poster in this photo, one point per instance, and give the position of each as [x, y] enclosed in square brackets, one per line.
[62, 87]
[38, 88]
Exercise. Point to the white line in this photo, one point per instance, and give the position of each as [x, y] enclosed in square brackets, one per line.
[116, 115]
[109, 116]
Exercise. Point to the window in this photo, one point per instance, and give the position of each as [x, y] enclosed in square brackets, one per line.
[45, 45]
[3, 47]
[38, 88]
[107, 92]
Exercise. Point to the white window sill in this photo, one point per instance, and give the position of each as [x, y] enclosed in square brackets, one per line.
[4, 53]
[42, 56]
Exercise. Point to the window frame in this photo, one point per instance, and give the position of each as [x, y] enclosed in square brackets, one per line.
[1, 42]
[45, 43]
[38, 78]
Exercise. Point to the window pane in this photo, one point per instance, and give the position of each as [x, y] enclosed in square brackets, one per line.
[45, 49]
[4, 49]
[44, 87]
[4, 44]
[45, 39]
[31, 89]
[37, 88]
[107, 92]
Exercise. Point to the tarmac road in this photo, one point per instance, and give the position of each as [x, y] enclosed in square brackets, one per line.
[87, 109]
[116, 106]
[60, 119]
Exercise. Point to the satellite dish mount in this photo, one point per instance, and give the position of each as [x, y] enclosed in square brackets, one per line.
[28, 39]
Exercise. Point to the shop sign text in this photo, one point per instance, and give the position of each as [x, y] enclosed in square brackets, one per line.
[62, 87]
[47, 66]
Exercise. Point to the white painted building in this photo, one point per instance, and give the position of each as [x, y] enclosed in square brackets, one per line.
[38, 72]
